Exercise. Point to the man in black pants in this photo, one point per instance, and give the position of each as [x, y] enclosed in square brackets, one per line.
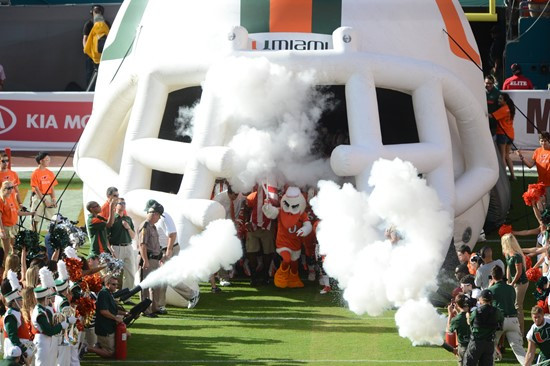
[484, 322]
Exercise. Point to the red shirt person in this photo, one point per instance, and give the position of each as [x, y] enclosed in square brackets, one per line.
[517, 81]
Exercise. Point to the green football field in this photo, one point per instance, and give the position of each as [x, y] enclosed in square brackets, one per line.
[270, 326]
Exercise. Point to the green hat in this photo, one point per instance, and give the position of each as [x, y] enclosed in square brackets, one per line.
[149, 204]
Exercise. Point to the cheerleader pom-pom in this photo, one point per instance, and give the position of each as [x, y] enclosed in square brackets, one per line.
[74, 267]
[533, 274]
[505, 229]
[534, 193]
[528, 262]
[93, 282]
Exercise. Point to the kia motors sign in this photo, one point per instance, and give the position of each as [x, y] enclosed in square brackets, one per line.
[43, 121]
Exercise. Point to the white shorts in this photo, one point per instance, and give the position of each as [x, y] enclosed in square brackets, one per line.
[294, 254]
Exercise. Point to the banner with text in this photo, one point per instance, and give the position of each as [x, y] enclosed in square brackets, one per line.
[535, 105]
[43, 121]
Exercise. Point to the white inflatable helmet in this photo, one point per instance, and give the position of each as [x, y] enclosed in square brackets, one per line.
[367, 47]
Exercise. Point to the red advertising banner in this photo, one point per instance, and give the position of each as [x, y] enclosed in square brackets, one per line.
[36, 121]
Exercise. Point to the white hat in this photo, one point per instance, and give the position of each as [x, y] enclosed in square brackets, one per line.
[13, 352]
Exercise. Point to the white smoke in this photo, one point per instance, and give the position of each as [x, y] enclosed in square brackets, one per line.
[375, 274]
[214, 248]
[419, 321]
[270, 117]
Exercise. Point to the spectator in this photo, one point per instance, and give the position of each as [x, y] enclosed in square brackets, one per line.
[457, 322]
[496, 51]
[484, 322]
[505, 130]
[517, 81]
[2, 78]
[9, 212]
[491, 93]
[112, 196]
[121, 234]
[467, 284]
[97, 228]
[168, 240]
[464, 253]
[43, 193]
[541, 158]
[107, 318]
[538, 335]
[504, 299]
[94, 35]
[151, 254]
[484, 272]
[515, 272]
[460, 271]
[7, 174]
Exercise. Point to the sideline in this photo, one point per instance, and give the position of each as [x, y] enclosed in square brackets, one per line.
[272, 361]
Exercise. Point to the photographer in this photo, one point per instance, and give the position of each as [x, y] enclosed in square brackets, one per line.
[458, 323]
[468, 288]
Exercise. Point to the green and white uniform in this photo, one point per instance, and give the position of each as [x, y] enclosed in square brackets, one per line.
[541, 337]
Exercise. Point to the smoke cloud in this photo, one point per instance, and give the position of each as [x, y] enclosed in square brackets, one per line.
[375, 274]
[214, 248]
[270, 117]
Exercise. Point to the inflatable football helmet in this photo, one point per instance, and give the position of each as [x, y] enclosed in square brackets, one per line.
[408, 85]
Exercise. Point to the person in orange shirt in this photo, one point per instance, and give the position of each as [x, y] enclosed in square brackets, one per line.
[7, 174]
[505, 130]
[9, 210]
[541, 158]
[42, 183]
[112, 196]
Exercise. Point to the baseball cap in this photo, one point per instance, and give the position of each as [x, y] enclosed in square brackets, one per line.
[149, 204]
[487, 295]
[156, 207]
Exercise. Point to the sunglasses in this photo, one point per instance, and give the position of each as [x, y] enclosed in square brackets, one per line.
[5, 161]
[9, 188]
[122, 203]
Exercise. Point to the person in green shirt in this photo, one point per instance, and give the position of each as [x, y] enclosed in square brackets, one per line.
[538, 335]
[457, 323]
[484, 322]
[121, 234]
[504, 300]
[97, 228]
[515, 272]
[107, 318]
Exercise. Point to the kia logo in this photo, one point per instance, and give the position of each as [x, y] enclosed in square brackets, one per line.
[7, 120]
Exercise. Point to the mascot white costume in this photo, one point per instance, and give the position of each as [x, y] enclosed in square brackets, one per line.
[293, 226]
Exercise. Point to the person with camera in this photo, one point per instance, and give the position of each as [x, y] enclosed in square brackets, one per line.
[504, 299]
[484, 322]
[464, 253]
[487, 263]
[457, 322]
